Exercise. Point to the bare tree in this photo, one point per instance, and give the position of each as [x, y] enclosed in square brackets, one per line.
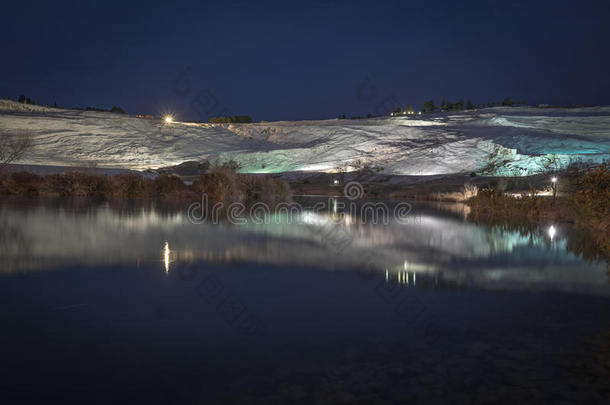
[13, 147]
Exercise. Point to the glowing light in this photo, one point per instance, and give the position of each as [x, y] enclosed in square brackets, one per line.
[166, 253]
[168, 119]
[554, 179]
[313, 218]
[552, 232]
[335, 181]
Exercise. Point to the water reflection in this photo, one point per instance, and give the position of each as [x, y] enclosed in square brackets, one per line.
[166, 255]
[405, 278]
[433, 245]
[552, 231]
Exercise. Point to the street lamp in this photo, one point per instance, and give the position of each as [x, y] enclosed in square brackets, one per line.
[554, 187]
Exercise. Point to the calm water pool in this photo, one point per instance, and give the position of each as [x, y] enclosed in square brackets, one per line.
[121, 304]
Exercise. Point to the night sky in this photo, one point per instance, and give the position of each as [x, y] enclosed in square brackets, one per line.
[302, 60]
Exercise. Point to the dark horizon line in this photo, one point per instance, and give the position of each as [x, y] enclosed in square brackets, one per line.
[337, 116]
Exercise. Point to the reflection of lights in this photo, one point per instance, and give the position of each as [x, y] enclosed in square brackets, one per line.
[552, 232]
[348, 219]
[402, 277]
[313, 218]
[166, 253]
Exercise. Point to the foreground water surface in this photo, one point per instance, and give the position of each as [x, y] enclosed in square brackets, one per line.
[140, 304]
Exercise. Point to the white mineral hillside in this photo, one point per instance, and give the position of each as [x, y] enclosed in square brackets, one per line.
[499, 141]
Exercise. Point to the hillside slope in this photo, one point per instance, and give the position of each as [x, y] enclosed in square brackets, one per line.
[499, 141]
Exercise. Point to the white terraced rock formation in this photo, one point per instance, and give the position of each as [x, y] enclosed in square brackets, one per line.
[511, 141]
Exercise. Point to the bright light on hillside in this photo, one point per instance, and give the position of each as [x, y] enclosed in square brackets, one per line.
[168, 119]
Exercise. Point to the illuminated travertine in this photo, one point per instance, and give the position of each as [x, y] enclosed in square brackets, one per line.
[500, 141]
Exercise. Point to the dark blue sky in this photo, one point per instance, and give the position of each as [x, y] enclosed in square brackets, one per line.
[303, 60]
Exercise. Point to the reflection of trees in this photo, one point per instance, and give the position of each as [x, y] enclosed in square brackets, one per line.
[591, 245]
[12, 243]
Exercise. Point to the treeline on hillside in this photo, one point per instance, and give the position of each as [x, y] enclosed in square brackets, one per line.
[356, 117]
[446, 105]
[233, 119]
[26, 100]
[114, 109]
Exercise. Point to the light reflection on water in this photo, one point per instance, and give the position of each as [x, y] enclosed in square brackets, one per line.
[166, 256]
[434, 244]
[145, 302]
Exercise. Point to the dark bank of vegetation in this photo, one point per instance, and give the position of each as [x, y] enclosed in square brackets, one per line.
[222, 184]
[115, 109]
[459, 105]
[233, 119]
[27, 100]
[586, 206]
[429, 107]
